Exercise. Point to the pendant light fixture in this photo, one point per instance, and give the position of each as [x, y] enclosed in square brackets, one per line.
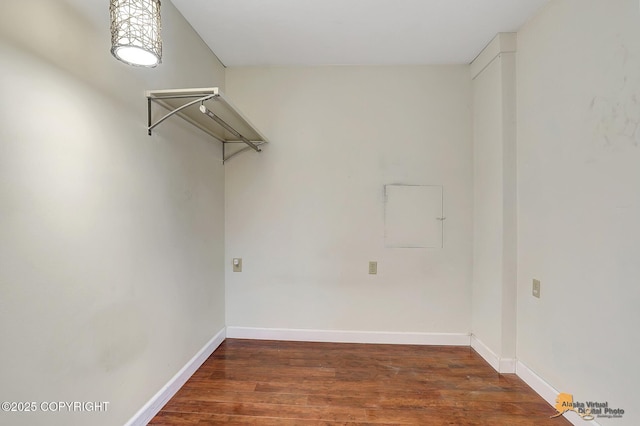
[135, 32]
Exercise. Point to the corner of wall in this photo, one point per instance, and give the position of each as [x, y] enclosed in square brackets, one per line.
[501, 43]
[495, 222]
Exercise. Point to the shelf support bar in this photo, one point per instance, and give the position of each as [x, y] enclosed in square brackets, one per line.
[149, 115]
[236, 153]
[180, 108]
[228, 128]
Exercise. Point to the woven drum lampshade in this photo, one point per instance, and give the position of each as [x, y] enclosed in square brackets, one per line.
[135, 32]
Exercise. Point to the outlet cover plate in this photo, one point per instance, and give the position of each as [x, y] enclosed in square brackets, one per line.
[535, 290]
[237, 264]
[373, 268]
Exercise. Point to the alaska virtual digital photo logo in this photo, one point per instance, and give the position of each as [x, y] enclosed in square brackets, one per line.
[588, 410]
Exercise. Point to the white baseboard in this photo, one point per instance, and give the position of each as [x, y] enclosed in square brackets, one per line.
[501, 365]
[548, 393]
[507, 365]
[537, 383]
[339, 336]
[155, 404]
[486, 353]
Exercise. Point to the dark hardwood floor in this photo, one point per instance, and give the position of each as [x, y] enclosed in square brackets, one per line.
[296, 383]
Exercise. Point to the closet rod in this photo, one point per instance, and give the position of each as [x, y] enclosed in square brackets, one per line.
[228, 128]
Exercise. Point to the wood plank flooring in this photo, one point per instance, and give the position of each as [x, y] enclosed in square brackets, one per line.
[298, 383]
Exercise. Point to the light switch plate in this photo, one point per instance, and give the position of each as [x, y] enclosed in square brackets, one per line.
[536, 288]
[373, 268]
[237, 264]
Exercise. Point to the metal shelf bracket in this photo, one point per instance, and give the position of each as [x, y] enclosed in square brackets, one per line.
[215, 116]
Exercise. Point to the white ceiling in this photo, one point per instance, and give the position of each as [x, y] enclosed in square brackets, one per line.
[346, 32]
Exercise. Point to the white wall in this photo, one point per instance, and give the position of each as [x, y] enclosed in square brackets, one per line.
[307, 214]
[111, 241]
[579, 199]
[494, 202]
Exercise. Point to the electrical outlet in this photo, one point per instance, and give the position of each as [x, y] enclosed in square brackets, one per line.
[237, 264]
[373, 268]
[536, 288]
